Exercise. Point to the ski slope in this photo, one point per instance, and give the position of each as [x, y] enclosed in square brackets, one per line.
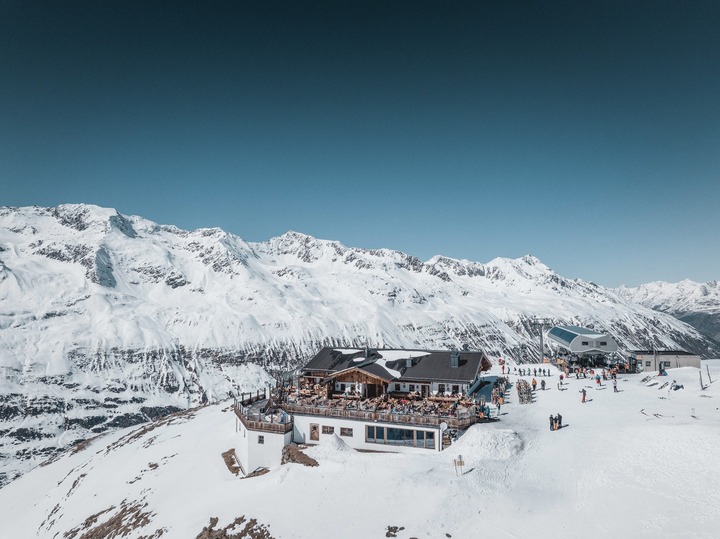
[641, 462]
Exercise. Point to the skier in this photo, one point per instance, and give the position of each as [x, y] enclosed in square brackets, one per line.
[559, 421]
[542, 385]
[534, 384]
[584, 393]
[561, 379]
[615, 385]
[552, 422]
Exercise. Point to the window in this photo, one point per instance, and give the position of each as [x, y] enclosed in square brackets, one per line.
[456, 389]
[375, 434]
[441, 388]
[403, 437]
[344, 431]
[585, 343]
[411, 387]
[328, 430]
[400, 437]
[261, 439]
[603, 343]
[314, 432]
[425, 439]
[342, 387]
[648, 363]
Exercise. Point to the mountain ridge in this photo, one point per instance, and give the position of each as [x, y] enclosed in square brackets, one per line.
[109, 320]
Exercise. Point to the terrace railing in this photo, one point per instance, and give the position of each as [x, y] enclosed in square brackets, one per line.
[460, 421]
[253, 419]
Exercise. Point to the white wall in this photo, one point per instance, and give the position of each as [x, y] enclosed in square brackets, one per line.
[253, 455]
[301, 433]
[674, 361]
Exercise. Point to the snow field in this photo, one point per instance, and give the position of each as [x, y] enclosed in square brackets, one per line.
[612, 469]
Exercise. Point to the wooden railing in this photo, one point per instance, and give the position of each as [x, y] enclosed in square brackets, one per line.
[246, 399]
[253, 420]
[266, 426]
[461, 421]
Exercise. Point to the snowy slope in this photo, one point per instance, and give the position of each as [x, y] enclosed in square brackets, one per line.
[698, 304]
[109, 320]
[641, 463]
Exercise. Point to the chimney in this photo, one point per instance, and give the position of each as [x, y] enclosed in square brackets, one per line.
[454, 359]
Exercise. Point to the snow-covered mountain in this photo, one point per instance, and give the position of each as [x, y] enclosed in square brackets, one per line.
[108, 320]
[640, 463]
[698, 304]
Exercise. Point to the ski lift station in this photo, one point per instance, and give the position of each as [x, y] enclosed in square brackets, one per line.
[583, 342]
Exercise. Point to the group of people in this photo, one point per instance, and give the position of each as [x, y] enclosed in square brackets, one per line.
[535, 372]
[497, 396]
[555, 422]
[524, 391]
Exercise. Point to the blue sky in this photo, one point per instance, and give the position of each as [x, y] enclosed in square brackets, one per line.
[584, 133]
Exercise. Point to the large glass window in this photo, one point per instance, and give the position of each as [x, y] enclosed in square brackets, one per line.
[400, 437]
[429, 439]
[375, 434]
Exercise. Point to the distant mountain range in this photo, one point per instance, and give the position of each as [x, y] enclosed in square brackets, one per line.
[108, 320]
[698, 304]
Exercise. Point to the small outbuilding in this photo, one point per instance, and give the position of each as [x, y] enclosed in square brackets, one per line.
[656, 360]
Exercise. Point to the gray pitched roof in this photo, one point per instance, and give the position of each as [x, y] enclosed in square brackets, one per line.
[435, 366]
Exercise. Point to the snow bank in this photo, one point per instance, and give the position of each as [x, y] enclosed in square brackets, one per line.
[481, 443]
[329, 448]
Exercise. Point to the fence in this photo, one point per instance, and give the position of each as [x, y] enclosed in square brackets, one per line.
[246, 415]
[461, 421]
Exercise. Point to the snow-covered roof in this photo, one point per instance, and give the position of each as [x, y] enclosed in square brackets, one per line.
[406, 365]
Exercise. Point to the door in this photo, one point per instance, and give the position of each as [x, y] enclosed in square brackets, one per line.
[314, 432]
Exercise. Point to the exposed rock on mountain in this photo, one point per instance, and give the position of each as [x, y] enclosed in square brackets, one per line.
[107, 320]
[697, 304]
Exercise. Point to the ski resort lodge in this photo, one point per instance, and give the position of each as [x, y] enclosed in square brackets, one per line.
[585, 346]
[407, 401]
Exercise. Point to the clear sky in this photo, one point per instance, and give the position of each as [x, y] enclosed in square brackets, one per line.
[584, 133]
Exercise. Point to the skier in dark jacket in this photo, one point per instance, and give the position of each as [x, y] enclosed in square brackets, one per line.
[552, 422]
[559, 421]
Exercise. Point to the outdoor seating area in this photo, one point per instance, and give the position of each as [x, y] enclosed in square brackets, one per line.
[260, 413]
[399, 407]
